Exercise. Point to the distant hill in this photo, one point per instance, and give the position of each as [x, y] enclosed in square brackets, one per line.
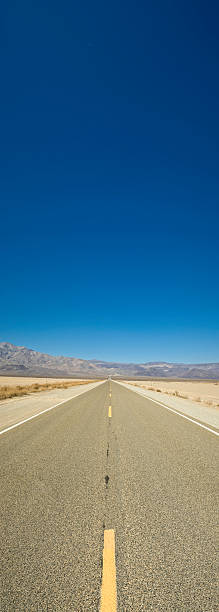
[21, 361]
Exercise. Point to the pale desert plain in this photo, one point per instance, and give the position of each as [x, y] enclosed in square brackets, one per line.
[13, 386]
[13, 381]
[204, 392]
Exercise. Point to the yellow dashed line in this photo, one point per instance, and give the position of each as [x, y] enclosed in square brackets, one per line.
[110, 411]
[108, 590]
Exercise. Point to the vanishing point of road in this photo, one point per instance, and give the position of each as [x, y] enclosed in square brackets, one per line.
[108, 503]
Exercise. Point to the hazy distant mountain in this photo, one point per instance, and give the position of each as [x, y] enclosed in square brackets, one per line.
[19, 360]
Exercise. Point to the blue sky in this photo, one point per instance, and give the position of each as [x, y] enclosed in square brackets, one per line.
[109, 184]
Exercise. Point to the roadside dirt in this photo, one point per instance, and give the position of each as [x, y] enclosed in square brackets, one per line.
[198, 391]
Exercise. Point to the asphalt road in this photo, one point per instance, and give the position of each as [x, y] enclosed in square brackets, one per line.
[72, 473]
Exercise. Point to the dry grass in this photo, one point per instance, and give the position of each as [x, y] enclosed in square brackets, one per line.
[178, 394]
[8, 391]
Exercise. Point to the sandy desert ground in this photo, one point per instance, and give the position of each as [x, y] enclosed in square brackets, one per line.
[14, 386]
[12, 381]
[198, 391]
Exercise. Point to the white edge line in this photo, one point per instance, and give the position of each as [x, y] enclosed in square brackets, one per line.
[216, 433]
[43, 411]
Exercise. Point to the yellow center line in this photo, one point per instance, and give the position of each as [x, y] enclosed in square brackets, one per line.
[108, 590]
[110, 411]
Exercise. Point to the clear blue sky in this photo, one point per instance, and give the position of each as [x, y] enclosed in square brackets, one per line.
[109, 184]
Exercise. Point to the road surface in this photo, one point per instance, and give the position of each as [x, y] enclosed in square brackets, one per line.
[108, 502]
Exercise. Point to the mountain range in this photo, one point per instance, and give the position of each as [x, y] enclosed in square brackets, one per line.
[22, 361]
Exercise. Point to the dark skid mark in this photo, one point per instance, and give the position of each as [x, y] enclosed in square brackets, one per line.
[106, 480]
[107, 452]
